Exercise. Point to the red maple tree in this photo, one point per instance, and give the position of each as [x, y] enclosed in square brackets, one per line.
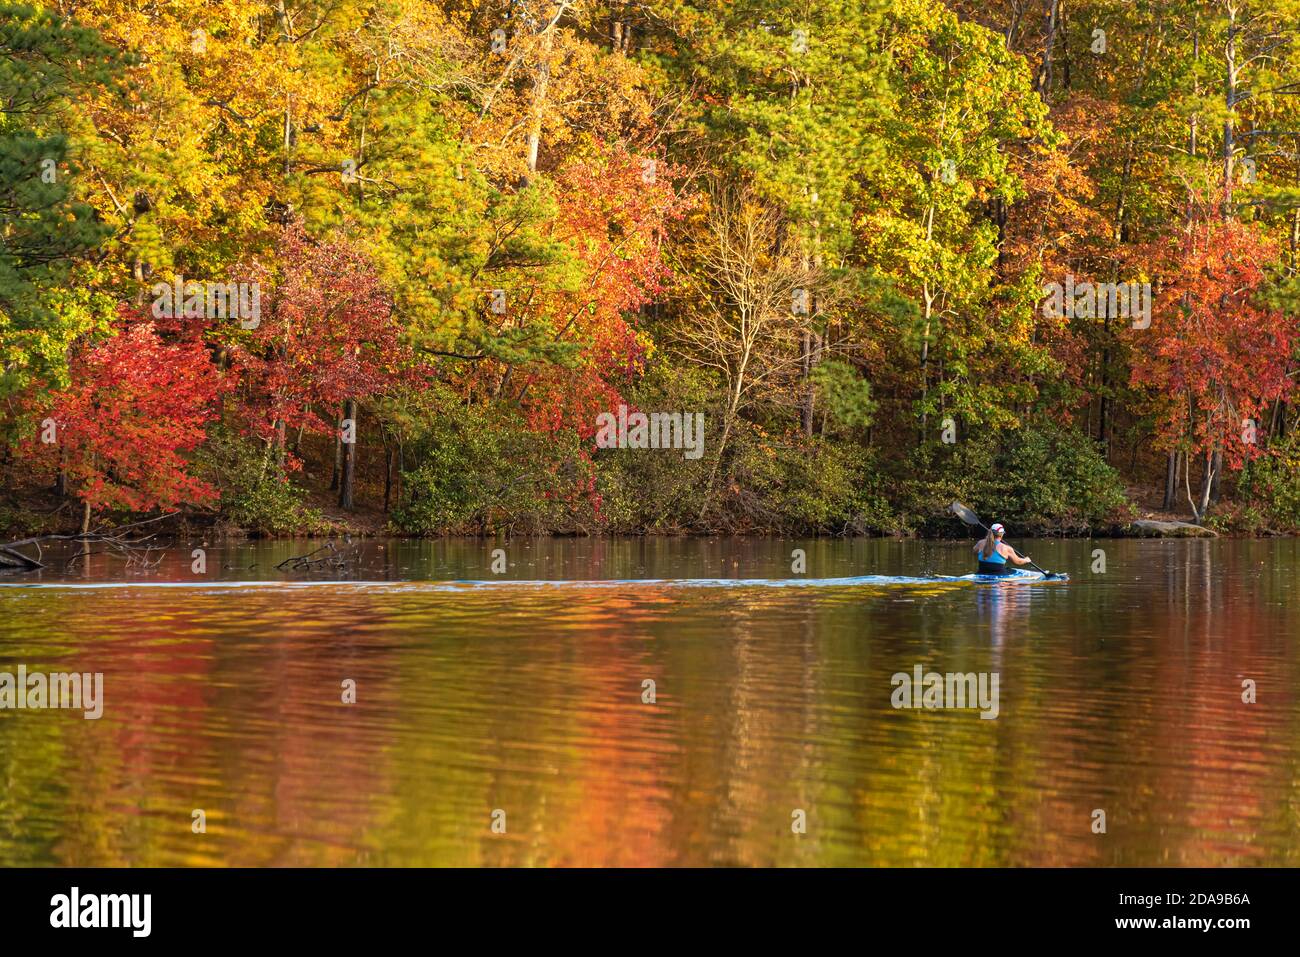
[136, 405]
[1215, 354]
[327, 335]
[615, 209]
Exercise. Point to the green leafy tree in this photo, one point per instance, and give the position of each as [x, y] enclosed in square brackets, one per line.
[48, 67]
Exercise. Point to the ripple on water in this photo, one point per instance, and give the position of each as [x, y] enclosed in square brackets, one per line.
[769, 696]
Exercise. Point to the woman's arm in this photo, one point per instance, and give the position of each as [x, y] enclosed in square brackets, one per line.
[1013, 555]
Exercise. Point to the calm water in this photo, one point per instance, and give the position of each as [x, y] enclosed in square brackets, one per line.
[1119, 691]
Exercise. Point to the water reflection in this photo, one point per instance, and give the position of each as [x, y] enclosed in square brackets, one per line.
[1119, 691]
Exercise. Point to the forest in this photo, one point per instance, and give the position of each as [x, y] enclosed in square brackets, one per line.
[467, 267]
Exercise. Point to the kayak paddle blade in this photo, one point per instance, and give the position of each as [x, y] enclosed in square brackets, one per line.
[965, 514]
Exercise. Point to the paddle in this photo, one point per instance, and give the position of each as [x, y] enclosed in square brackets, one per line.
[970, 518]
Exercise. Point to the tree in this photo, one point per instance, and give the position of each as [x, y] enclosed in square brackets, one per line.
[327, 338]
[120, 431]
[746, 293]
[614, 217]
[1220, 353]
[47, 68]
[963, 103]
[785, 100]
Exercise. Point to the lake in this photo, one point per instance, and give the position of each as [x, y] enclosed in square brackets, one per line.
[556, 714]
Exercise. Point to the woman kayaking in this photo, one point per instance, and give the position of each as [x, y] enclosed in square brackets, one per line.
[994, 554]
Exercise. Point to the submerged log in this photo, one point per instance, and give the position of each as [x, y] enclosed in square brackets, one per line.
[116, 539]
[13, 560]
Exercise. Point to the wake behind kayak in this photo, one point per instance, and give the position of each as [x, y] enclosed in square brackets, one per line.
[1019, 577]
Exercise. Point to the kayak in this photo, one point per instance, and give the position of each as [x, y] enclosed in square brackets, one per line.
[1019, 575]
[1038, 575]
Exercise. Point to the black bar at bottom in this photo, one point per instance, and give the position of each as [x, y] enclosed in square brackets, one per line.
[657, 908]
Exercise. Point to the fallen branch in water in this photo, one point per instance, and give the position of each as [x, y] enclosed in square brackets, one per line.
[117, 541]
[334, 559]
[12, 559]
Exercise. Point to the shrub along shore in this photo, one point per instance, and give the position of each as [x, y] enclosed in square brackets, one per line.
[479, 479]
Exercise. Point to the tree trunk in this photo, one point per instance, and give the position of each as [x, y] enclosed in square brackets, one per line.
[620, 29]
[1103, 411]
[722, 447]
[338, 454]
[388, 474]
[1201, 504]
[1065, 49]
[1230, 101]
[925, 361]
[1216, 473]
[1043, 79]
[401, 467]
[806, 401]
[1171, 480]
[348, 471]
[541, 83]
[280, 440]
[1295, 242]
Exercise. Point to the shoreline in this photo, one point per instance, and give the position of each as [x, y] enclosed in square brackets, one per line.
[189, 532]
[27, 525]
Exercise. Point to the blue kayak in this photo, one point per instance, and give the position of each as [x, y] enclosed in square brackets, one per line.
[1019, 575]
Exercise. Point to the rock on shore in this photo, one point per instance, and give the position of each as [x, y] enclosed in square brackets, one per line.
[1155, 528]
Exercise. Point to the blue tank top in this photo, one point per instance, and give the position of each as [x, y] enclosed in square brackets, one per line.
[997, 558]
